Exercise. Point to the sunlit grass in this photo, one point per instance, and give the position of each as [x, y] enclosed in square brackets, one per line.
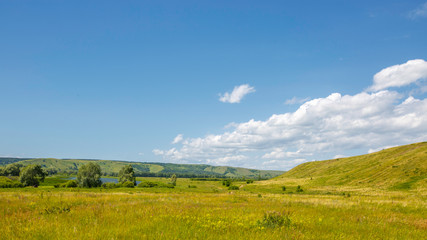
[209, 211]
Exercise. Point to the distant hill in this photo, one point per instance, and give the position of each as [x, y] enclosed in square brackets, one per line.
[403, 167]
[112, 168]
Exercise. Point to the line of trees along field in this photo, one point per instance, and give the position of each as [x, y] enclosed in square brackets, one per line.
[143, 169]
[88, 176]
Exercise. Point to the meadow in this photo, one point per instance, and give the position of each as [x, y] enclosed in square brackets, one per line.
[208, 210]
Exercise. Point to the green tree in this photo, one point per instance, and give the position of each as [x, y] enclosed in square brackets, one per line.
[173, 179]
[32, 174]
[127, 174]
[12, 169]
[89, 175]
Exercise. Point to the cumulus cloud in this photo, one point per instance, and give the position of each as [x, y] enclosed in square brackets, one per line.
[421, 11]
[178, 139]
[237, 94]
[400, 75]
[318, 129]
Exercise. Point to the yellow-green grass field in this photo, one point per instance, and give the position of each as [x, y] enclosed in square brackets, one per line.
[208, 210]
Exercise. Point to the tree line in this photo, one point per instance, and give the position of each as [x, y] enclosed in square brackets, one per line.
[88, 175]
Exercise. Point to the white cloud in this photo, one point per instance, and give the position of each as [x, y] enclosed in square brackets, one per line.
[421, 11]
[178, 139]
[158, 152]
[279, 153]
[282, 164]
[400, 75]
[237, 94]
[296, 100]
[226, 159]
[318, 129]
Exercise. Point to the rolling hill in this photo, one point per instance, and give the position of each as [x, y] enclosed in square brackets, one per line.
[110, 167]
[403, 167]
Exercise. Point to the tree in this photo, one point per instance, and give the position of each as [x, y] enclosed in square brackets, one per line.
[12, 169]
[127, 174]
[89, 175]
[32, 174]
[173, 179]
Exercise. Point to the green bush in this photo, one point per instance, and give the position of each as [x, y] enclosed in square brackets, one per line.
[173, 180]
[192, 186]
[283, 188]
[147, 184]
[226, 182]
[109, 185]
[5, 182]
[275, 219]
[249, 181]
[299, 189]
[70, 184]
[127, 184]
[233, 188]
[165, 185]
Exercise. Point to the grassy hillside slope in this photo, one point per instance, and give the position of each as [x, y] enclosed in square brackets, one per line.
[403, 167]
[109, 167]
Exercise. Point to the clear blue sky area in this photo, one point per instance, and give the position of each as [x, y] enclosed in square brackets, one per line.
[119, 79]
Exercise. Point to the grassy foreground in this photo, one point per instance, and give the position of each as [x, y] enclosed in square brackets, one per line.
[209, 211]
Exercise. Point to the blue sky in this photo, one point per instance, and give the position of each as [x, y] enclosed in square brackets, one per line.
[122, 79]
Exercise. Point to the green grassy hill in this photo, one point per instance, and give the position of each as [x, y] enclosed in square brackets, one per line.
[146, 169]
[398, 168]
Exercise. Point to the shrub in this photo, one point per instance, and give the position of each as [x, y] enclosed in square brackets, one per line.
[226, 182]
[233, 188]
[283, 188]
[249, 181]
[127, 184]
[109, 185]
[275, 219]
[299, 189]
[70, 184]
[147, 184]
[167, 185]
[192, 186]
[5, 182]
[173, 180]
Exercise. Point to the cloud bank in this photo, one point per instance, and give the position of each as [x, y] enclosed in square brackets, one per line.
[320, 128]
[237, 94]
